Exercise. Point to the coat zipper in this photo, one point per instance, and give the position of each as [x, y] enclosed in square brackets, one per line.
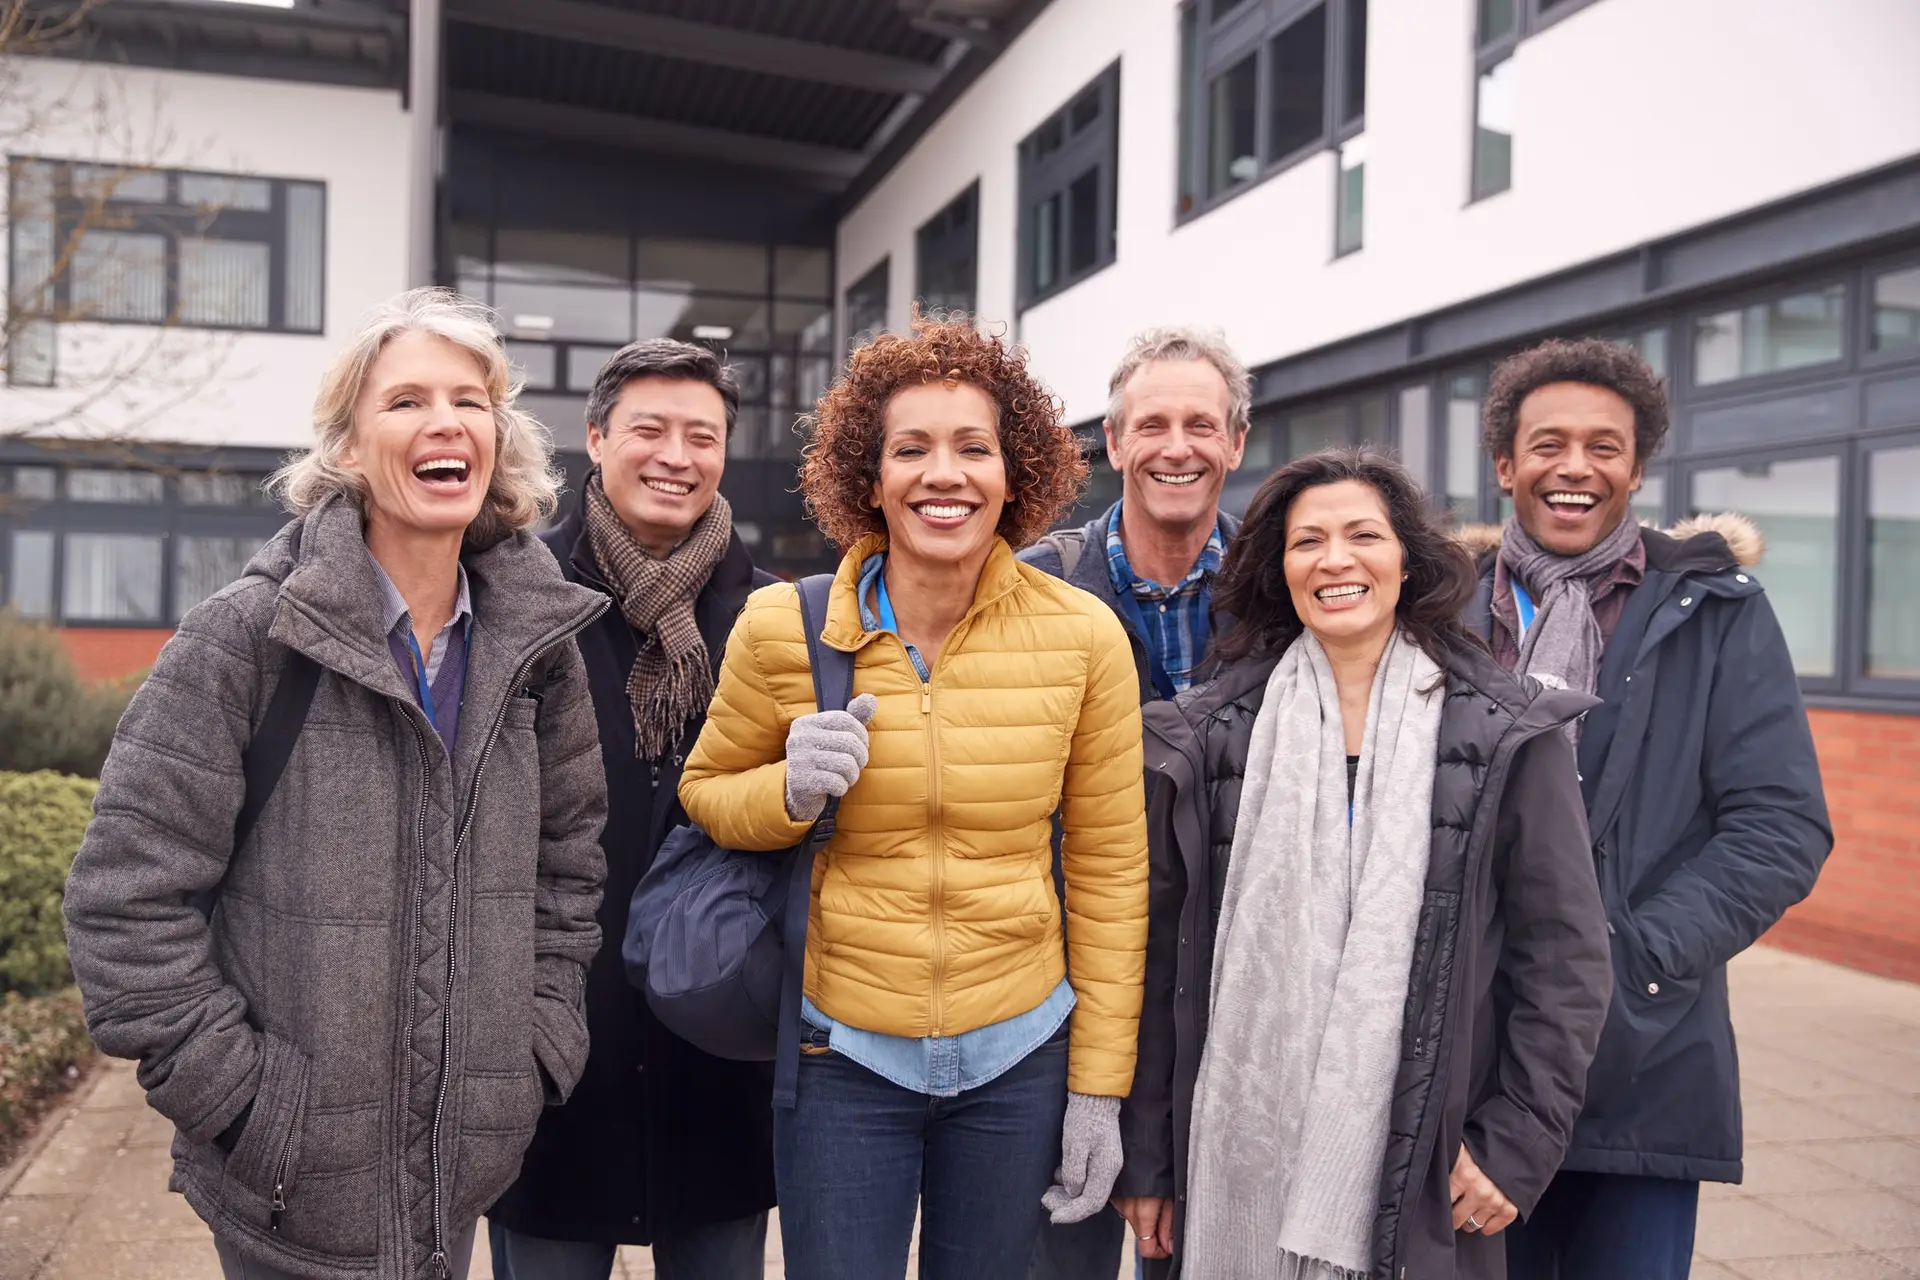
[441, 1266]
[280, 1182]
[419, 912]
[938, 851]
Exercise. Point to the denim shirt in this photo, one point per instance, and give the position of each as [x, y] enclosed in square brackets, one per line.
[940, 1066]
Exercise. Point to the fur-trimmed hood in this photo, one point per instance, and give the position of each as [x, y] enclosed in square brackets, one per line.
[1742, 535]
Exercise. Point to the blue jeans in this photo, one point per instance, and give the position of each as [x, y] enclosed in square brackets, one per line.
[856, 1153]
[735, 1250]
[1088, 1250]
[1598, 1226]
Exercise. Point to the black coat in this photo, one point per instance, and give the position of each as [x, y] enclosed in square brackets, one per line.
[1703, 794]
[658, 1134]
[1509, 981]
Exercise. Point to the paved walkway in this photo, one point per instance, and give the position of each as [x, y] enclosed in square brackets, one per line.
[1831, 1066]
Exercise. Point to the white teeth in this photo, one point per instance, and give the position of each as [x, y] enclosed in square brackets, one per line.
[669, 486]
[944, 510]
[1340, 592]
[1187, 477]
[438, 466]
[1572, 499]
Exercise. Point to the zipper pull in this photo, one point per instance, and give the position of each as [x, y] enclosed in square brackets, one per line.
[279, 1205]
[926, 699]
[440, 1265]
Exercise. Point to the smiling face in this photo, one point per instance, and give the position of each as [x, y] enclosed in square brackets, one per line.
[423, 437]
[1573, 472]
[1173, 446]
[661, 455]
[1344, 564]
[943, 482]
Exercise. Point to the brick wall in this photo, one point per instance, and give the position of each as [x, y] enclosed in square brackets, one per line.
[104, 653]
[1865, 910]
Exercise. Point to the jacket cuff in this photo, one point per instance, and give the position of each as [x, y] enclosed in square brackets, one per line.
[560, 1026]
[1514, 1150]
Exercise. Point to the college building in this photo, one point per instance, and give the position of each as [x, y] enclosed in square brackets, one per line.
[1375, 200]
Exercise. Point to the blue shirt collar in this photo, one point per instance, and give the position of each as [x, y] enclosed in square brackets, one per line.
[393, 606]
[1124, 578]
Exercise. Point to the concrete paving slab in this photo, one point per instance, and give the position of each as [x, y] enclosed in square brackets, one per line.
[1855, 1266]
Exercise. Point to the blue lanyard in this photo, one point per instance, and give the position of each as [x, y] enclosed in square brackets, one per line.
[1523, 605]
[420, 684]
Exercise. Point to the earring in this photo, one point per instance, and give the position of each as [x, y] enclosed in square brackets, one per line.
[1405, 576]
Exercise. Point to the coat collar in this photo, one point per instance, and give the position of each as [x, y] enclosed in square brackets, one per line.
[999, 577]
[329, 606]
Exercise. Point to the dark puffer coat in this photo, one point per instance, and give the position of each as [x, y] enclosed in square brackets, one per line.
[1703, 793]
[658, 1135]
[1509, 984]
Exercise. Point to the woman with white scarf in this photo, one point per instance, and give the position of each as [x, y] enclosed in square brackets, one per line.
[1377, 967]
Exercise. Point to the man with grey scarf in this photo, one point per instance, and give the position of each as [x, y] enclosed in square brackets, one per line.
[661, 1144]
[1702, 789]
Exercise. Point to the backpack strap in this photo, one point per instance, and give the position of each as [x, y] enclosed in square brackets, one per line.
[832, 691]
[265, 758]
[1067, 544]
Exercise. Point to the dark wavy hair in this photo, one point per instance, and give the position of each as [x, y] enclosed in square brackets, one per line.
[1252, 586]
[1045, 468]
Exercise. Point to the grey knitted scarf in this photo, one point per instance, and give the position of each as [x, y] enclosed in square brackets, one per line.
[1310, 974]
[672, 678]
[1562, 648]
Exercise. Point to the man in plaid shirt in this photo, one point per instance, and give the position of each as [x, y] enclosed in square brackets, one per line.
[1176, 426]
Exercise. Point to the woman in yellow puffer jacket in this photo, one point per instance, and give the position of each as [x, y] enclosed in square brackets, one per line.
[953, 1053]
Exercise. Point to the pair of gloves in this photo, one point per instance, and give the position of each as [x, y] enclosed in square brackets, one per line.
[825, 753]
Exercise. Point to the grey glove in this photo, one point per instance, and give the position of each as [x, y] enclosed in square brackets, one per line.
[1089, 1158]
[825, 752]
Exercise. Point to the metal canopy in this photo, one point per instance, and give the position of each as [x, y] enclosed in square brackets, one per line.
[807, 92]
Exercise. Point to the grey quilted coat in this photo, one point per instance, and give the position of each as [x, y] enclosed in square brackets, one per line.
[393, 968]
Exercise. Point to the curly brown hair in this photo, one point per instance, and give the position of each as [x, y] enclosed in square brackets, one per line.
[1045, 469]
[1594, 362]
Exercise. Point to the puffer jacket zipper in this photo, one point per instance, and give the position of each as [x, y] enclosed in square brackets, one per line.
[439, 1261]
[419, 912]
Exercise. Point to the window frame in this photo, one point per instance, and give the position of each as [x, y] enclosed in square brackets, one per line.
[1095, 146]
[1846, 517]
[1862, 317]
[1221, 45]
[1855, 493]
[941, 247]
[881, 271]
[176, 221]
[1733, 388]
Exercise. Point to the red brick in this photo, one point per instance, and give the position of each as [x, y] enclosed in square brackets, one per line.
[107, 653]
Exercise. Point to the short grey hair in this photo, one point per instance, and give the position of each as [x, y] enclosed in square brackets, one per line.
[1183, 344]
[524, 489]
[661, 358]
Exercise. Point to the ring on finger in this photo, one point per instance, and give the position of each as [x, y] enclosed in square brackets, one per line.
[1473, 1223]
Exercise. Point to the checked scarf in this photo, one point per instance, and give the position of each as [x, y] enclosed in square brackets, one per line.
[672, 678]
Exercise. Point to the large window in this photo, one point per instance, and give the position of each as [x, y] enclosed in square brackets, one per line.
[1774, 336]
[1896, 311]
[157, 246]
[568, 300]
[1893, 563]
[126, 546]
[1069, 170]
[1796, 504]
[947, 256]
[1263, 86]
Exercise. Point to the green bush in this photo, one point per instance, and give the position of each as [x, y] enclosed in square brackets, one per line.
[43, 1049]
[42, 817]
[50, 718]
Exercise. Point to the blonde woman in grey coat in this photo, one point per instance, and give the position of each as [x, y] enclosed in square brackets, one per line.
[354, 1013]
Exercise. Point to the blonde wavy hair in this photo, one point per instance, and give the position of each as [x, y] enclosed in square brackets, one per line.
[524, 489]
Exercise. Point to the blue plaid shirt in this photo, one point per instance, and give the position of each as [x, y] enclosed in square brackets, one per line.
[1173, 621]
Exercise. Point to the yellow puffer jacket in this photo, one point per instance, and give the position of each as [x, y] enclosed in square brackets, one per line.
[934, 910]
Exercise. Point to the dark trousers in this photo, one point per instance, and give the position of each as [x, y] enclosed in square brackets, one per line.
[857, 1152]
[735, 1250]
[1600, 1226]
[1088, 1250]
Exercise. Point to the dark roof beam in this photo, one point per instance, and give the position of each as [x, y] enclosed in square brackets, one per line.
[700, 42]
[828, 166]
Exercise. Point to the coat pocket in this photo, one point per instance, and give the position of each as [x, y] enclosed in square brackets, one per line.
[497, 1120]
[266, 1160]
